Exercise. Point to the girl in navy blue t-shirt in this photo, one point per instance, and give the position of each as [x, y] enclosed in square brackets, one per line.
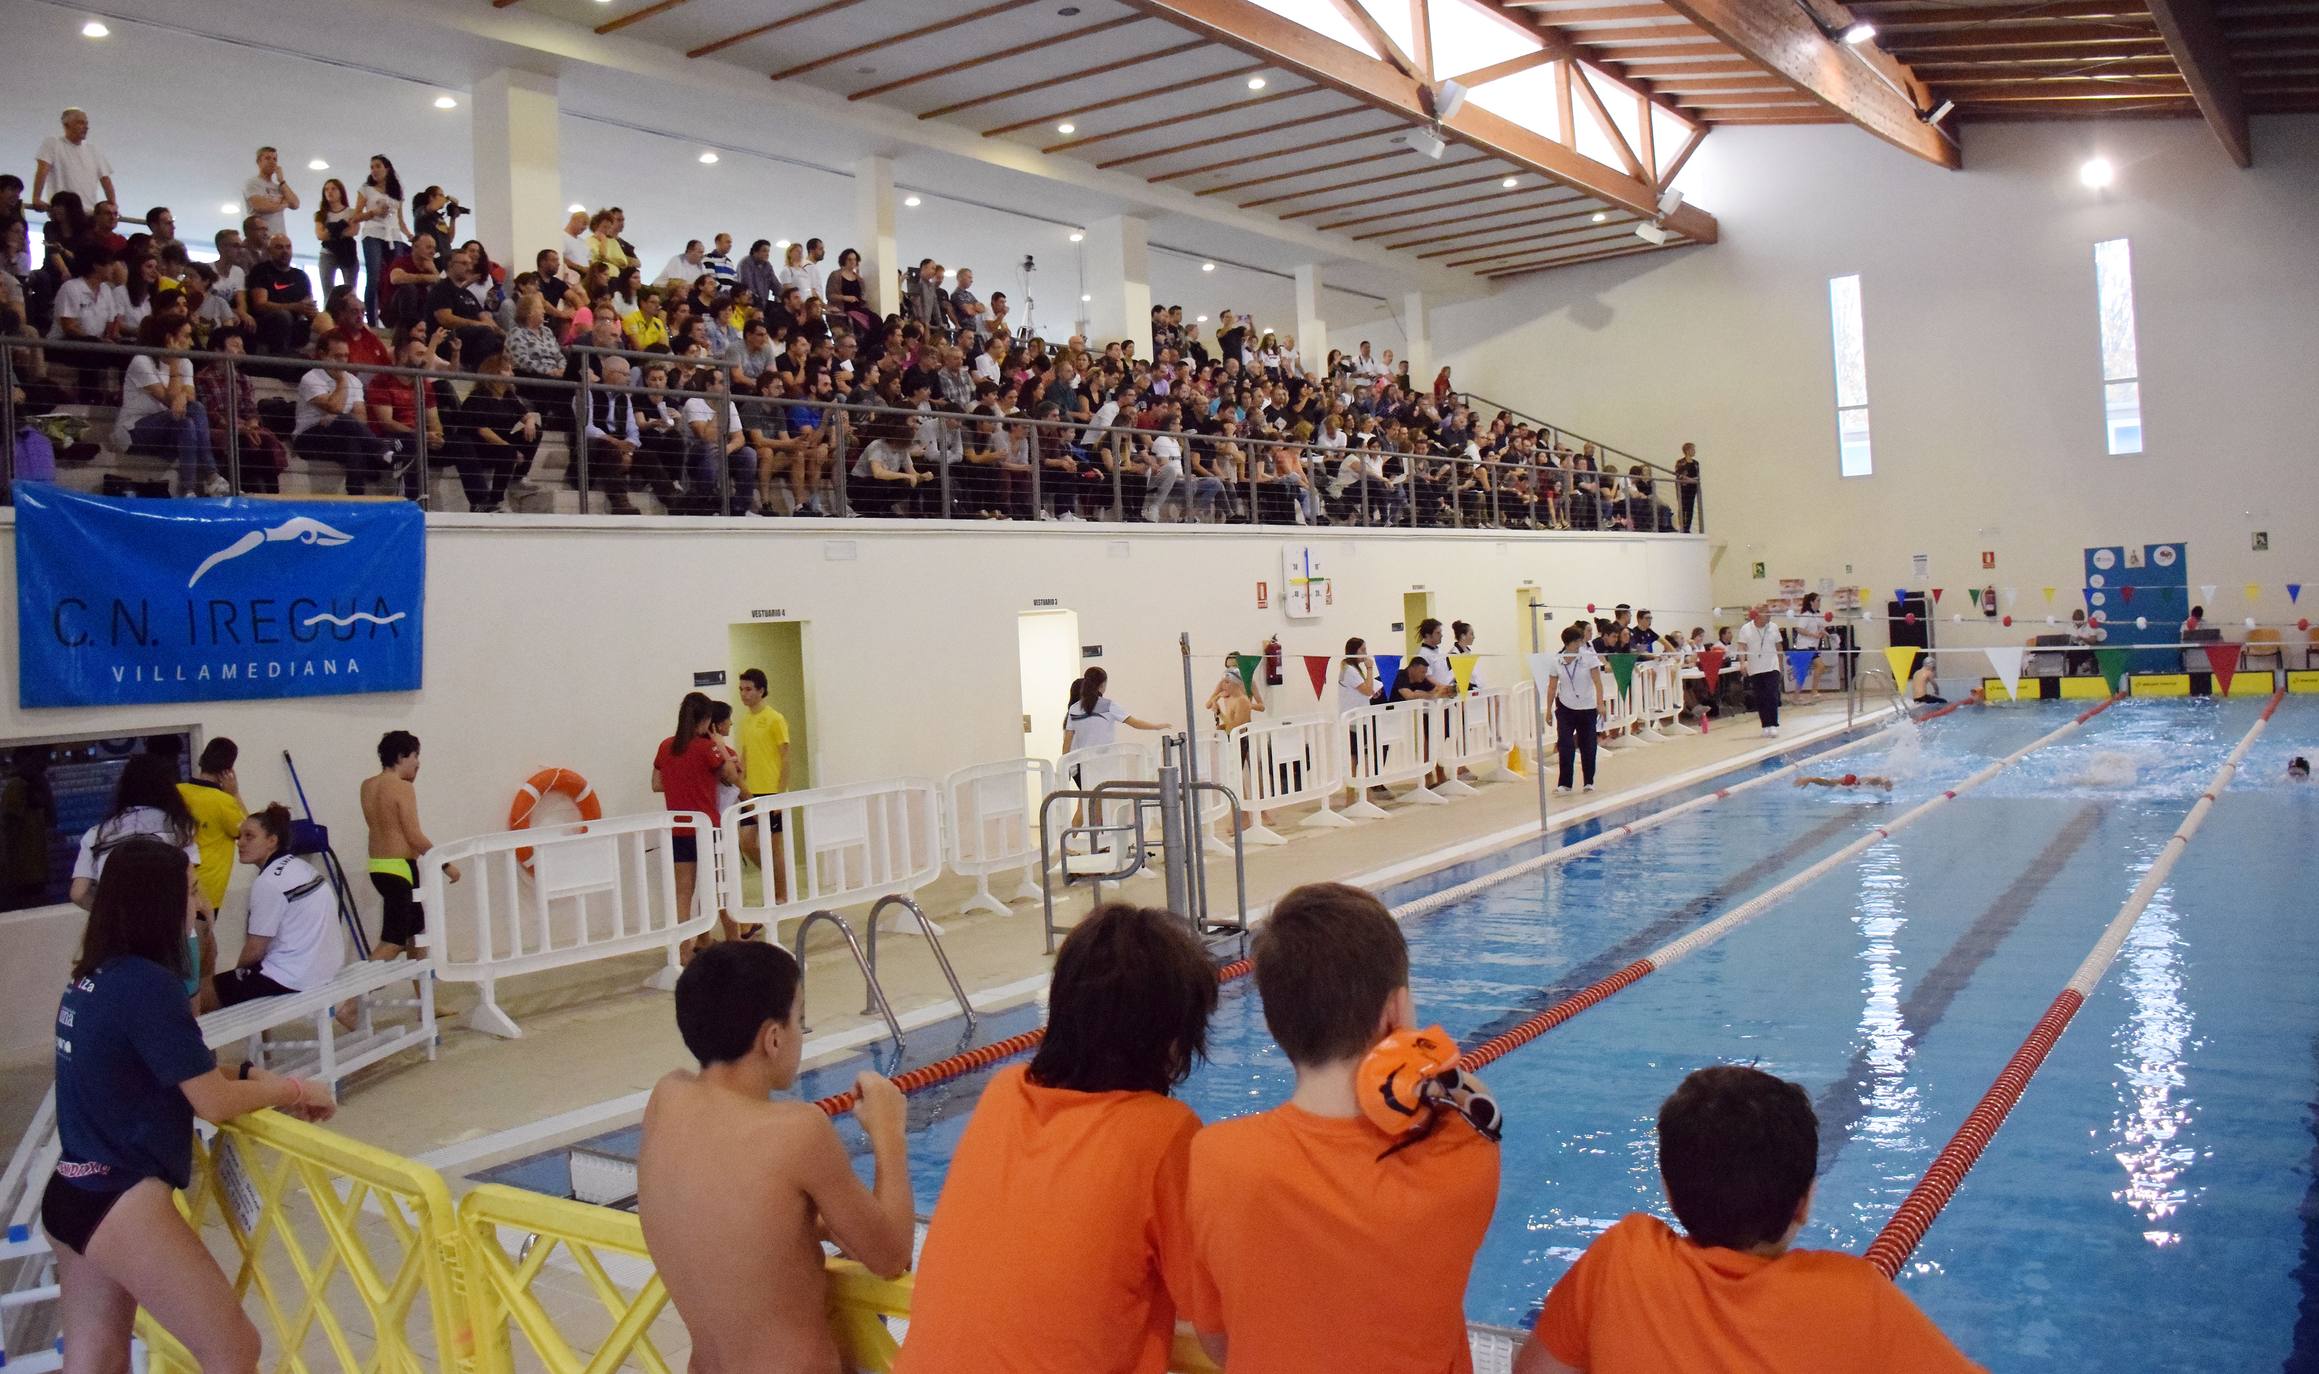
[132, 1071]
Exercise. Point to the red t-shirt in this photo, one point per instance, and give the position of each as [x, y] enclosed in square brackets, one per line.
[688, 781]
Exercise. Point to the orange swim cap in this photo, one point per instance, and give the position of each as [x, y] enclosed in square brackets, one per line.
[1391, 1081]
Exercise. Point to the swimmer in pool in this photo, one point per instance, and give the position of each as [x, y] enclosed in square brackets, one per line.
[2298, 769]
[1848, 780]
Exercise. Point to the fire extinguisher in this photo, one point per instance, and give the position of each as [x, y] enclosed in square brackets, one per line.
[1989, 601]
[1272, 662]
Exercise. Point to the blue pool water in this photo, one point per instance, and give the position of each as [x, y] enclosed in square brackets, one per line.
[2151, 1195]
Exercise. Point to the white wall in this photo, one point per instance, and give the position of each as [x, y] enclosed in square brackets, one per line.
[1982, 346]
[569, 644]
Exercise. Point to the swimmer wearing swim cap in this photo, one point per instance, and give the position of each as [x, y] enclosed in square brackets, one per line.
[1848, 780]
[2298, 769]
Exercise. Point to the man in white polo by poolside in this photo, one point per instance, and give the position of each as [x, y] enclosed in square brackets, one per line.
[1759, 649]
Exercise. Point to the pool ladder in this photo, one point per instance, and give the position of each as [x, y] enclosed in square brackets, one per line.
[868, 962]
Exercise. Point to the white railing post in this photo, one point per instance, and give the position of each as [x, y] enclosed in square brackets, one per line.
[989, 817]
[840, 846]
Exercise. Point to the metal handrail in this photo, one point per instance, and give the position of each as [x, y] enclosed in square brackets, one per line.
[869, 975]
[1134, 862]
[933, 937]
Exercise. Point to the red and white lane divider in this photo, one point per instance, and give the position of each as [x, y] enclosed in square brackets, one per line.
[1900, 1236]
[1686, 945]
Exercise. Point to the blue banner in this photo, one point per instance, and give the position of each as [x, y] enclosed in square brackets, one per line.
[124, 601]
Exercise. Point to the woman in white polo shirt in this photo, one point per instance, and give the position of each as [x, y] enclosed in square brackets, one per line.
[293, 942]
[1094, 719]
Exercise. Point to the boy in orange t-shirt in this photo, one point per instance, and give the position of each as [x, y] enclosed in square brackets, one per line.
[1319, 1241]
[1737, 1152]
[1059, 1244]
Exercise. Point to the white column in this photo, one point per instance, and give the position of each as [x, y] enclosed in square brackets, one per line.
[1119, 278]
[1418, 351]
[519, 201]
[874, 232]
[1312, 332]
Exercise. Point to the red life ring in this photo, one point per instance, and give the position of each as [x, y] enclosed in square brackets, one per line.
[562, 781]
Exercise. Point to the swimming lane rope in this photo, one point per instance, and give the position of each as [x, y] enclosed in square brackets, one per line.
[1900, 1236]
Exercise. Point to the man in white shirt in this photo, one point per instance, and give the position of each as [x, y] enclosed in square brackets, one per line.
[1759, 650]
[268, 196]
[1577, 706]
[1366, 366]
[1164, 472]
[328, 427]
[87, 307]
[72, 163]
[575, 248]
[686, 267]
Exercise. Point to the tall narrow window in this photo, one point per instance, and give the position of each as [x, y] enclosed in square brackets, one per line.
[2121, 367]
[1852, 456]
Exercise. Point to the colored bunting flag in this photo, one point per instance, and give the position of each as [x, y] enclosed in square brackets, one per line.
[2049, 596]
[1542, 674]
[1388, 667]
[2127, 591]
[1711, 663]
[1622, 670]
[2294, 592]
[1800, 665]
[1900, 593]
[1316, 666]
[1976, 595]
[2254, 592]
[2223, 659]
[1866, 597]
[2005, 662]
[1902, 657]
[2113, 666]
[2205, 592]
[2089, 594]
[1246, 665]
[1936, 596]
[1461, 667]
[2012, 594]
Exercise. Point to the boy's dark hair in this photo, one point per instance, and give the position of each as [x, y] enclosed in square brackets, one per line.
[219, 754]
[1129, 1006]
[139, 908]
[1328, 958]
[728, 992]
[1572, 634]
[396, 745]
[1427, 626]
[1737, 1150]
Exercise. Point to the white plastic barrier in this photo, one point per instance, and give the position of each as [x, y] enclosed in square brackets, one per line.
[1618, 710]
[590, 890]
[1510, 714]
[1286, 762]
[1446, 743]
[1386, 745]
[1086, 769]
[990, 815]
[834, 847]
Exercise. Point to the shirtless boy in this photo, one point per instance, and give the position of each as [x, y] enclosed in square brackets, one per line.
[390, 805]
[737, 1191]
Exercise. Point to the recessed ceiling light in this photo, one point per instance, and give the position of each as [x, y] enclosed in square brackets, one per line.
[782, 244]
[1199, 319]
[709, 156]
[1511, 182]
[1084, 298]
[1256, 83]
[228, 208]
[1068, 10]
[1066, 128]
[575, 208]
[866, 71]
[911, 201]
[2097, 173]
[1600, 216]
[317, 165]
[95, 28]
[1076, 236]
[1207, 267]
[1399, 139]
[445, 102]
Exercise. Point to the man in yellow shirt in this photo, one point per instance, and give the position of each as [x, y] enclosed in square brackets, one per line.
[764, 736]
[646, 325]
[215, 799]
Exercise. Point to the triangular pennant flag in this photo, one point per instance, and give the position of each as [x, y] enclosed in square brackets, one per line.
[2205, 592]
[2254, 591]
[1622, 670]
[1711, 663]
[1246, 665]
[2012, 594]
[1461, 667]
[1800, 665]
[1388, 667]
[2005, 662]
[1936, 596]
[2088, 593]
[1316, 666]
[1976, 594]
[1902, 657]
[2127, 591]
[1900, 593]
[2294, 591]
[1542, 672]
[2113, 666]
[1866, 596]
[2049, 596]
[2223, 659]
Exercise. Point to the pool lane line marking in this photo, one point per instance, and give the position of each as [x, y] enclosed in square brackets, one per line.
[942, 1070]
[1916, 1213]
[1839, 1106]
[1684, 946]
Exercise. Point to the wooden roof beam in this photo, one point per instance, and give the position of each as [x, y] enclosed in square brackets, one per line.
[1077, 74]
[1379, 85]
[1130, 98]
[2194, 36]
[1382, 41]
[970, 63]
[1860, 82]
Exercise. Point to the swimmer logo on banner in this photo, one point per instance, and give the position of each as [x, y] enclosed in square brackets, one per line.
[123, 602]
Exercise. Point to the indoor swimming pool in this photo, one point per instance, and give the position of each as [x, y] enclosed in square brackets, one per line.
[2149, 1197]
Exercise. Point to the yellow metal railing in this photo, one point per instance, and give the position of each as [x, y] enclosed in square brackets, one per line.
[352, 1260]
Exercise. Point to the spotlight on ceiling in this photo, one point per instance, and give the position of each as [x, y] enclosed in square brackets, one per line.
[911, 201]
[1510, 183]
[1447, 99]
[95, 28]
[1077, 236]
[2097, 173]
[1066, 128]
[1084, 298]
[1651, 233]
[1939, 112]
[1670, 203]
[1859, 33]
[446, 102]
[1256, 83]
[708, 157]
[1207, 267]
[317, 165]
[1429, 143]
[1601, 216]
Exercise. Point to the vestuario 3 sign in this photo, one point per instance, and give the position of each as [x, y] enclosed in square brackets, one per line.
[122, 602]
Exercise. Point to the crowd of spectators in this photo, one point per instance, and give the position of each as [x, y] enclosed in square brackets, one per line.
[750, 383]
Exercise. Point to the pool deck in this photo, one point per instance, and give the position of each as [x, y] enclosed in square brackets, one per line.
[594, 1041]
